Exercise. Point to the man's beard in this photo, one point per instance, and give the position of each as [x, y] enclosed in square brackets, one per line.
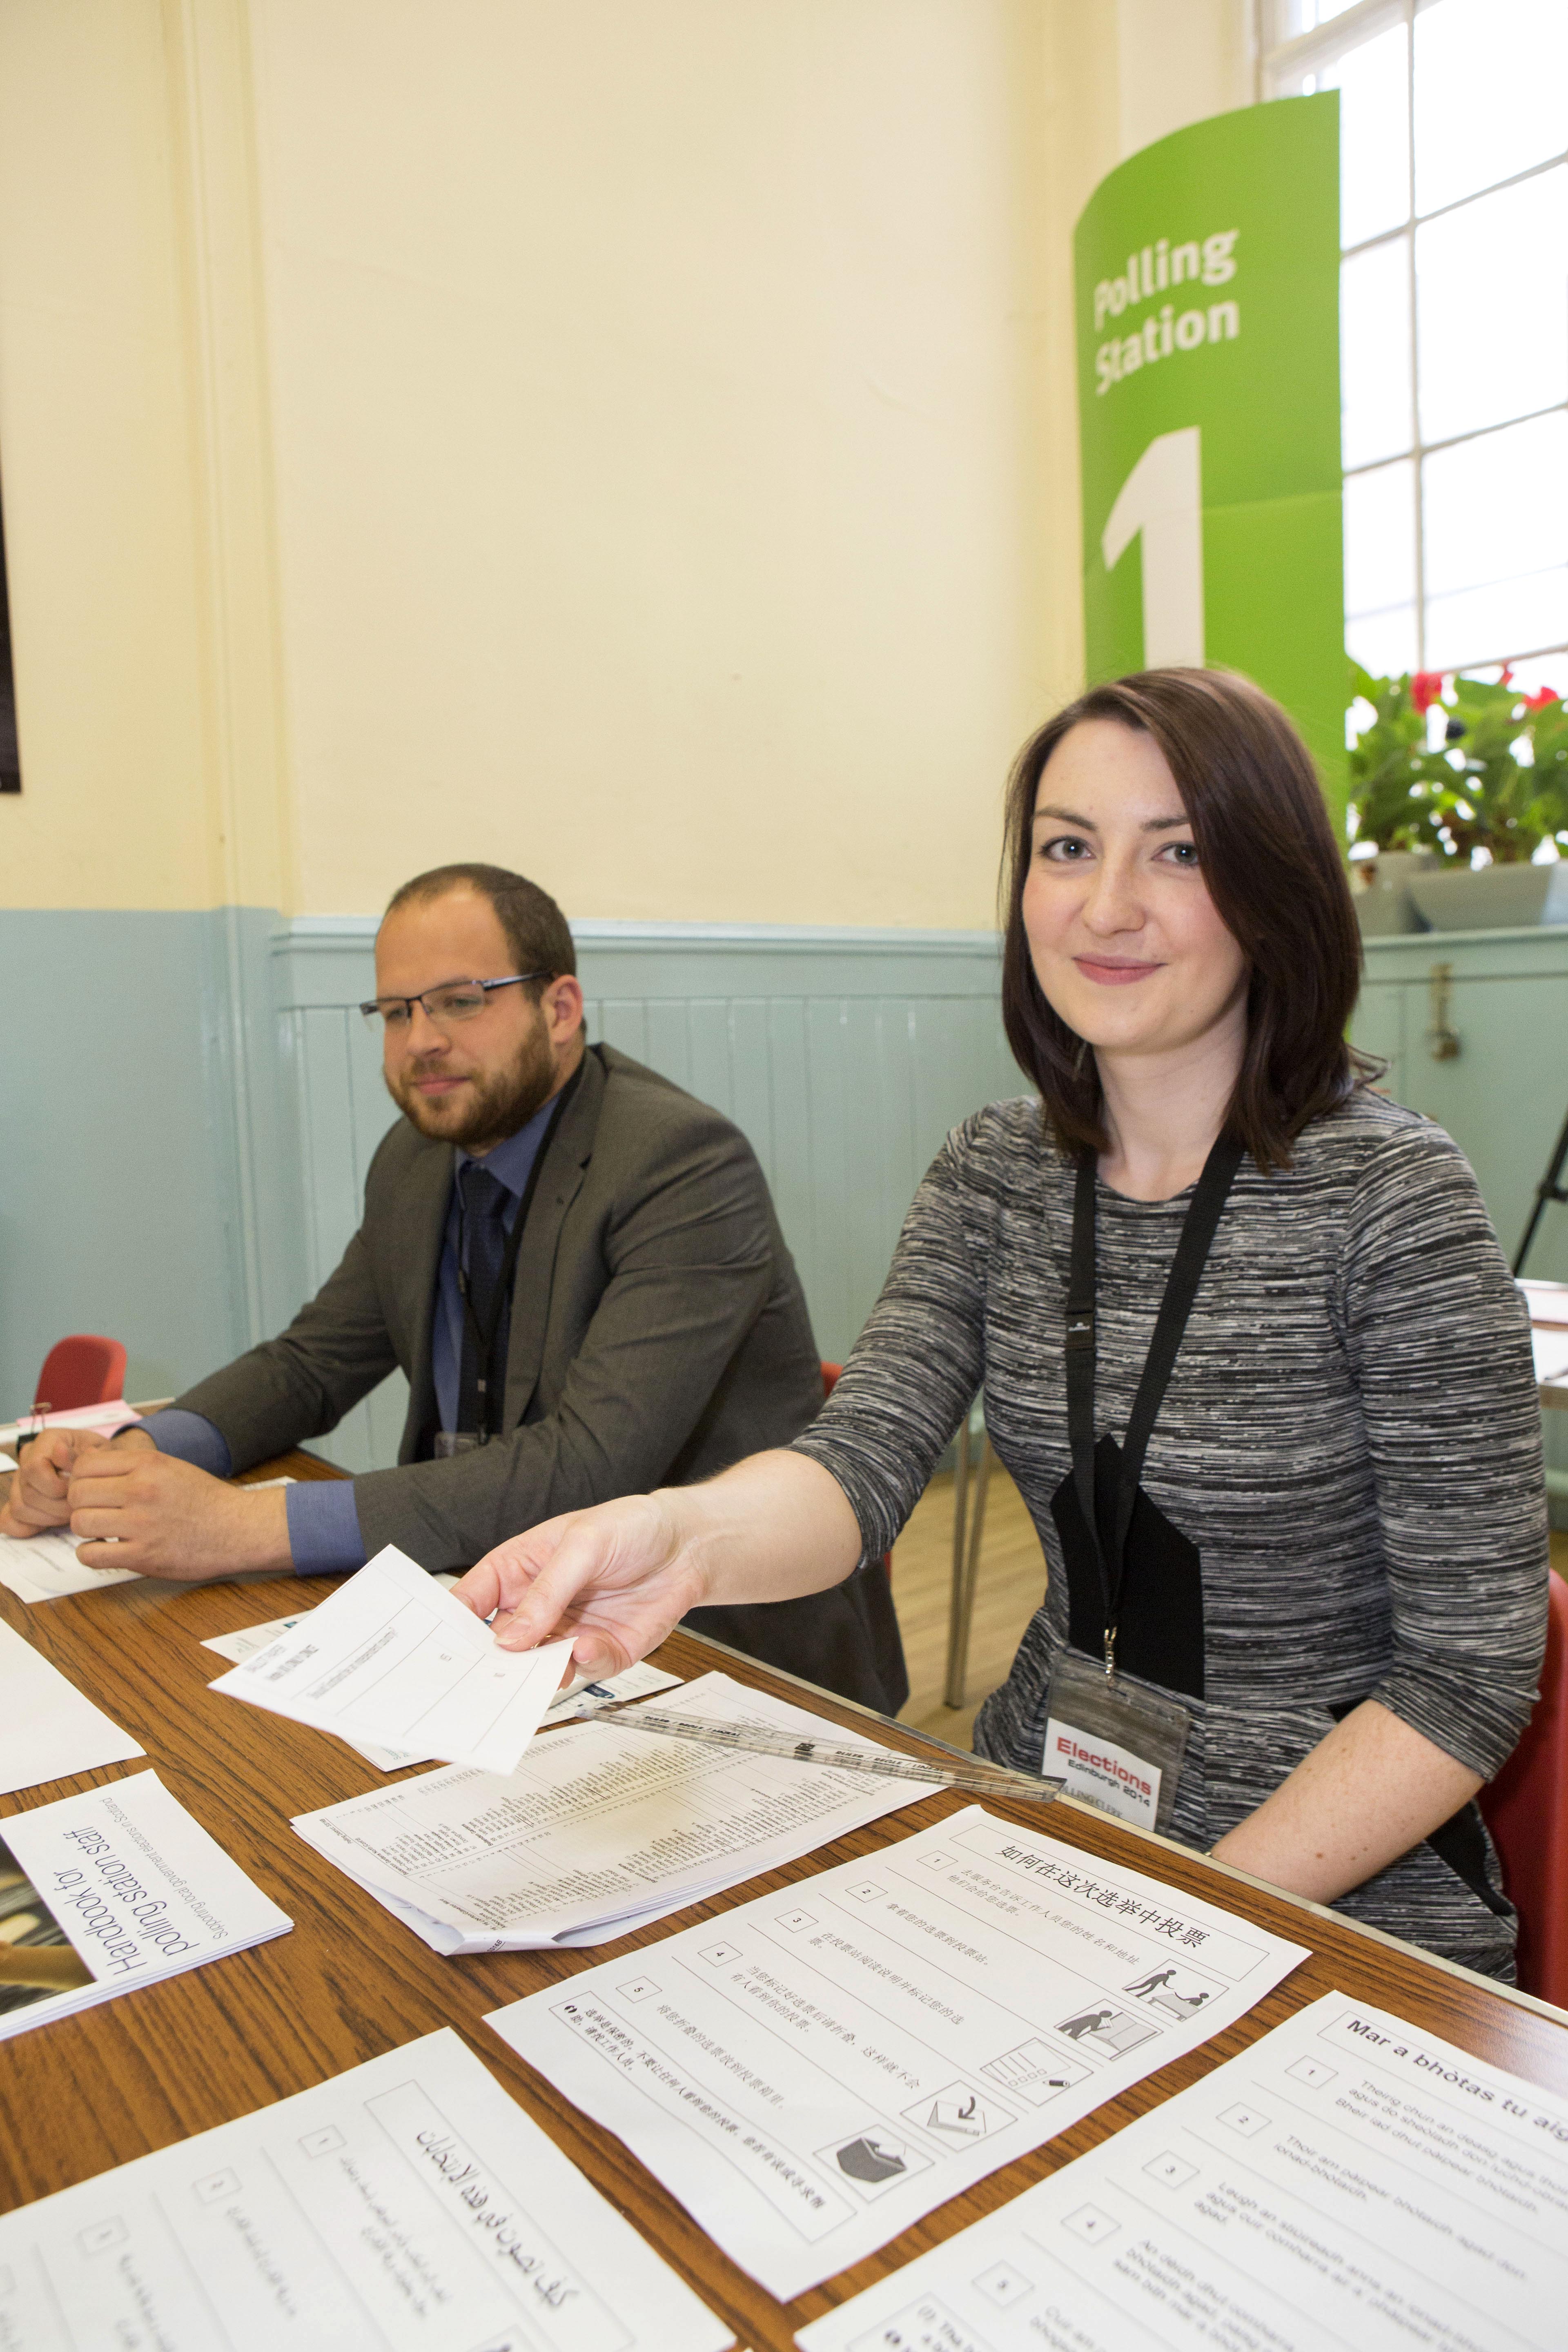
[496, 1106]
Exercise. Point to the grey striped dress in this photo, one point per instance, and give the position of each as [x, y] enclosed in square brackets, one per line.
[1351, 1438]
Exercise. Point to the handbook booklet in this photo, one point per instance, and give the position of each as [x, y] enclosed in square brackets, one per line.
[112, 1889]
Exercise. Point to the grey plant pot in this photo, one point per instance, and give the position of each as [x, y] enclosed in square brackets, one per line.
[1385, 908]
[1493, 897]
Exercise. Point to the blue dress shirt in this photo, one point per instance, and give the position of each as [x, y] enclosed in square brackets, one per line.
[324, 1535]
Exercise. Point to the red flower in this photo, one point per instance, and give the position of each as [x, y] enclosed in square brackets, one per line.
[1425, 689]
[1538, 702]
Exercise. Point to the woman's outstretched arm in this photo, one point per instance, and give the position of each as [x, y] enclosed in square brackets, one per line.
[620, 1577]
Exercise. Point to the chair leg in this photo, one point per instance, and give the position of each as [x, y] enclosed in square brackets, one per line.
[966, 1542]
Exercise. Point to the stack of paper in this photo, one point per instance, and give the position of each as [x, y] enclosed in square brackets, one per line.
[581, 1698]
[118, 1416]
[112, 1889]
[408, 2203]
[49, 1729]
[393, 1657]
[816, 2069]
[1348, 2182]
[599, 1830]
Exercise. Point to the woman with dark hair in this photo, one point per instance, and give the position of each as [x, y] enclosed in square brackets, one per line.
[1248, 1345]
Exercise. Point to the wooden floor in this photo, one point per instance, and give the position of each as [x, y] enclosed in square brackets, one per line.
[1009, 1590]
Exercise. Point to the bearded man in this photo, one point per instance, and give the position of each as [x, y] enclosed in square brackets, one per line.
[577, 1267]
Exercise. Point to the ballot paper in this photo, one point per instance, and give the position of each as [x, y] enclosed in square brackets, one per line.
[407, 2206]
[601, 1828]
[112, 1889]
[1348, 2184]
[394, 1658]
[49, 1729]
[821, 2066]
[638, 1682]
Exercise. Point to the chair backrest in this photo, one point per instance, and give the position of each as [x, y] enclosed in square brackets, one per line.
[829, 1380]
[86, 1368]
[1526, 1810]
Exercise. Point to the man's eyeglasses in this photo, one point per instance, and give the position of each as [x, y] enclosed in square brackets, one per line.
[454, 1000]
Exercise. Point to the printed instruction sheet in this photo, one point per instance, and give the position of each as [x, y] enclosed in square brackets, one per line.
[408, 2206]
[598, 1830]
[816, 2069]
[393, 1657]
[1348, 2184]
[49, 1729]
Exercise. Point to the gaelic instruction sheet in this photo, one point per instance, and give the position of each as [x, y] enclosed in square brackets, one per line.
[49, 1729]
[393, 1657]
[816, 2069]
[599, 1829]
[407, 2206]
[1348, 2184]
[112, 1889]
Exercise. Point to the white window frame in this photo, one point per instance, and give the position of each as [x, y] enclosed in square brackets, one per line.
[1281, 62]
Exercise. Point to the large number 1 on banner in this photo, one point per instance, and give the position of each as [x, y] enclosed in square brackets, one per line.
[1162, 498]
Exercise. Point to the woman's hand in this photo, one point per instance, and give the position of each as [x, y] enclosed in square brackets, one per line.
[618, 1579]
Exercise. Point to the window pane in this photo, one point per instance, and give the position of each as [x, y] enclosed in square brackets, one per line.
[1497, 508]
[1374, 134]
[1384, 643]
[1481, 366]
[1482, 624]
[1375, 354]
[1380, 538]
[1490, 78]
[1495, 530]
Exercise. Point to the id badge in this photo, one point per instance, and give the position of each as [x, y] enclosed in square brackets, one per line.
[452, 1442]
[1117, 1743]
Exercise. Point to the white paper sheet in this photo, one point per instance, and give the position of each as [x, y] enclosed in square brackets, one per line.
[601, 1828]
[811, 2072]
[124, 1879]
[1550, 1350]
[407, 2206]
[49, 1729]
[46, 1568]
[392, 1657]
[638, 1682]
[1346, 2185]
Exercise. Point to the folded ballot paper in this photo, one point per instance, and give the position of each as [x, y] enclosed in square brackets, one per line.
[601, 1828]
[112, 1889]
[393, 1658]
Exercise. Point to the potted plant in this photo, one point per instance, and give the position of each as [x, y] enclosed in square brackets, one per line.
[1455, 823]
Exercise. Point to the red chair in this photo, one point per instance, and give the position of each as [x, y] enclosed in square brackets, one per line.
[1526, 1810]
[82, 1370]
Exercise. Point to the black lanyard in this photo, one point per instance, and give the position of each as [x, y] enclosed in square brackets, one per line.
[1204, 1213]
[492, 1393]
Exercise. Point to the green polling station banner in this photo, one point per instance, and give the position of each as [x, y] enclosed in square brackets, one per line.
[1207, 311]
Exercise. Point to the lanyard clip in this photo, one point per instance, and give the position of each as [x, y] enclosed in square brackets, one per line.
[1110, 1654]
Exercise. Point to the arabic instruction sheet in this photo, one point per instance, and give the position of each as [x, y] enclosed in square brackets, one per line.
[112, 1889]
[49, 1729]
[1348, 2184]
[393, 1658]
[598, 1830]
[407, 2206]
[820, 2067]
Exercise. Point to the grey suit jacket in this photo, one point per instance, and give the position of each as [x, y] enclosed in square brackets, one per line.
[658, 1331]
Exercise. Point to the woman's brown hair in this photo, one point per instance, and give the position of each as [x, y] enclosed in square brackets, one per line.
[1278, 881]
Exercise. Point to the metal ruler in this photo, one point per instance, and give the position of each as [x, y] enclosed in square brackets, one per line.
[884, 1763]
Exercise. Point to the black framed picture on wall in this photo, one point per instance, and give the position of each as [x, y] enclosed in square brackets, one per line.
[10, 764]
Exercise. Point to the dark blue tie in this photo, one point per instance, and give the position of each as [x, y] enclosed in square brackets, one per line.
[484, 1235]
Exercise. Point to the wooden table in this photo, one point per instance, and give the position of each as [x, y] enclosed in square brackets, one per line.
[349, 1983]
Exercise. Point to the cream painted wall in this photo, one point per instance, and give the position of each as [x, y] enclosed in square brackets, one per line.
[636, 443]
